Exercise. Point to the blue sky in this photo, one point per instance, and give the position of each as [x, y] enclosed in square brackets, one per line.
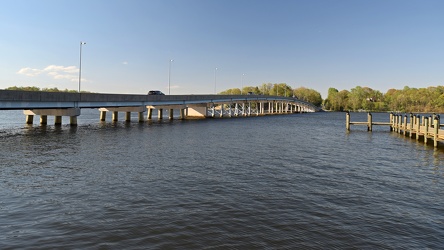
[316, 44]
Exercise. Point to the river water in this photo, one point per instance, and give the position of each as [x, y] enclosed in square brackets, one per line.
[295, 181]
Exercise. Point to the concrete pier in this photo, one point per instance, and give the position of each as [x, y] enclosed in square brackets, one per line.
[127, 110]
[57, 113]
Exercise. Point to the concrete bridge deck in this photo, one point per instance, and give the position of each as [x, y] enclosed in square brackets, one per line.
[70, 104]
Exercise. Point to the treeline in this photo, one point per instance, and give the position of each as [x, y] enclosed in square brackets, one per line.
[279, 89]
[429, 99]
[33, 88]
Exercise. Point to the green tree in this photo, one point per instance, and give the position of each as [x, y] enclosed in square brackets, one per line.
[29, 88]
[308, 95]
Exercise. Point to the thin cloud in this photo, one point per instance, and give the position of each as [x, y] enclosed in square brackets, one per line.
[29, 72]
[55, 71]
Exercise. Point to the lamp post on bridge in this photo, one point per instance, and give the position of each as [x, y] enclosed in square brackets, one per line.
[169, 76]
[215, 80]
[242, 83]
[80, 64]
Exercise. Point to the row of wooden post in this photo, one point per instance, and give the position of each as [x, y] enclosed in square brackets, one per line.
[431, 126]
[428, 127]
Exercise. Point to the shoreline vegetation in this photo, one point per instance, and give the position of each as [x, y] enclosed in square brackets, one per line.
[358, 99]
[33, 88]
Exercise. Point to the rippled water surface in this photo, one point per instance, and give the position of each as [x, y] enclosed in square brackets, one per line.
[275, 182]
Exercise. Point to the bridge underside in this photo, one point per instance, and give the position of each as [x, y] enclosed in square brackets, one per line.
[190, 111]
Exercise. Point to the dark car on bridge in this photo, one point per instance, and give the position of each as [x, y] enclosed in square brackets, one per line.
[155, 92]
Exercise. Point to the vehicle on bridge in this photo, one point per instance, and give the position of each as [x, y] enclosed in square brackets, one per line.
[155, 92]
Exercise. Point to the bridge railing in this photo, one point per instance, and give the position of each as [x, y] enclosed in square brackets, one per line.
[9, 97]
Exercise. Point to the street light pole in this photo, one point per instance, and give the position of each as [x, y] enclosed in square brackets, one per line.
[242, 83]
[215, 80]
[169, 77]
[80, 64]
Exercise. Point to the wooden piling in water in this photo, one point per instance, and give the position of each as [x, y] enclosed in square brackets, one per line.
[435, 131]
[347, 121]
[391, 121]
[428, 127]
[405, 125]
[369, 126]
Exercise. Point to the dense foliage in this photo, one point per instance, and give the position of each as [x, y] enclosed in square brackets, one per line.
[279, 89]
[33, 88]
[429, 99]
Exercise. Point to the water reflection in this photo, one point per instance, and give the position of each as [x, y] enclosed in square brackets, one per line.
[296, 181]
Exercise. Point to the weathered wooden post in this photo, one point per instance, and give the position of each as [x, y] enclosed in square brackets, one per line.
[391, 121]
[347, 121]
[426, 126]
[435, 131]
[418, 127]
[369, 125]
[405, 125]
[431, 122]
[399, 123]
[411, 125]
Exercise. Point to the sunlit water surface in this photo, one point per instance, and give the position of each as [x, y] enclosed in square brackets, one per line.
[275, 182]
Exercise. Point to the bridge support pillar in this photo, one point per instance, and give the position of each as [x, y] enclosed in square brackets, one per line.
[160, 114]
[73, 120]
[198, 111]
[43, 113]
[171, 114]
[102, 116]
[115, 116]
[140, 116]
[29, 119]
[43, 119]
[182, 114]
[58, 120]
[213, 109]
[116, 110]
[150, 114]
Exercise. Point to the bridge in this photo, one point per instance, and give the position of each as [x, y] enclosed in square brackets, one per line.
[59, 104]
